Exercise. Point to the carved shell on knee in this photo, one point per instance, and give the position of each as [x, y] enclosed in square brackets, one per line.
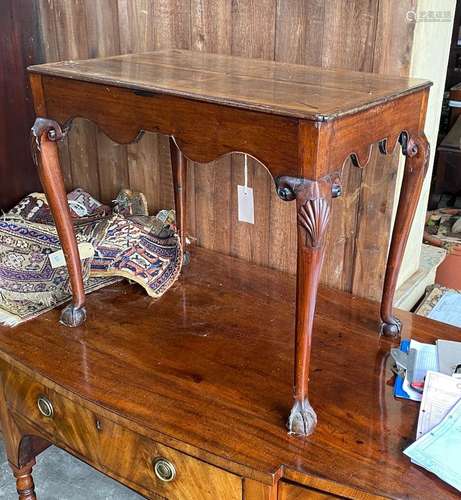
[313, 217]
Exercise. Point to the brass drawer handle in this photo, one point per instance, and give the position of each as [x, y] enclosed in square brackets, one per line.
[45, 407]
[164, 470]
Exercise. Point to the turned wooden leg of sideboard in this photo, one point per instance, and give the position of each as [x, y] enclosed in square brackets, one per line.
[417, 152]
[22, 447]
[45, 134]
[179, 169]
[313, 204]
[24, 481]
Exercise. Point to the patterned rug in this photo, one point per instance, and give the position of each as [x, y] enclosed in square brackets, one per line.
[141, 248]
[130, 250]
[26, 271]
[83, 208]
[29, 284]
[15, 312]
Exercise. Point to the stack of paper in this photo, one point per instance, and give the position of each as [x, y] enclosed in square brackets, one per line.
[441, 393]
[421, 359]
[445, 357]
[438, 441]
[438, 437]
[447, 310]
[449, 356]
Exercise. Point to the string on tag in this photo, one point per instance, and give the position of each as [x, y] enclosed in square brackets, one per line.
[245, 187]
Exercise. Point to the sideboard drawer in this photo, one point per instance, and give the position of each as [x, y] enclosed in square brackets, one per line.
[133, 459]
[288, 491]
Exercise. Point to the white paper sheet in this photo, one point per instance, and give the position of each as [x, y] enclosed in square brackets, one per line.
[448, 355]
[448, 309]
[438, 450]
[441, 393]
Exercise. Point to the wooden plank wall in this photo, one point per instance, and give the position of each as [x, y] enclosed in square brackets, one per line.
[364, 35]
[18, 48]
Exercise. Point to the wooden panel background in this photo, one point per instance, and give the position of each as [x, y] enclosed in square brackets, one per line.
[364, 35]
[18, 49]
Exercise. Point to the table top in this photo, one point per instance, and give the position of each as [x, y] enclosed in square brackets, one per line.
[286, 89]
[210, 364]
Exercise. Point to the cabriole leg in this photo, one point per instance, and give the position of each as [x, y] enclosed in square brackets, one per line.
[179, 168]
[313, 201]
[417, 152]
[45, 134]
[24, 481]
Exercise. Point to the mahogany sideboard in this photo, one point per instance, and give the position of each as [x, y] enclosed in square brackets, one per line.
[301, 123]
[185, 386]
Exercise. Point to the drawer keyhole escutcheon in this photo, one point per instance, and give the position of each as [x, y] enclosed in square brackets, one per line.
[164, 470]
[45, 407]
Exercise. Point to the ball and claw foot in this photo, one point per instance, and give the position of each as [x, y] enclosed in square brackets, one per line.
[72, 316]
[302, 419]
[391, 328]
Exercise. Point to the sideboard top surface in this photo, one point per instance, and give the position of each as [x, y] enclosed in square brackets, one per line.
[285, 89]
[209, 365]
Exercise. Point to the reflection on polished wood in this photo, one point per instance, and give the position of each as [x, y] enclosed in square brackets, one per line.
[202, 376]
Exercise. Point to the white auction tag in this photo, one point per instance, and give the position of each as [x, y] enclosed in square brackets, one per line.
[85, 250]
[246, 211]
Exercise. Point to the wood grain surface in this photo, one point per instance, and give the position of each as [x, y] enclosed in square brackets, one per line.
[206, 370]
[203, 131]
[121, 453]
[357, 35]
[290, 90]
[288, 491]
[20, 46]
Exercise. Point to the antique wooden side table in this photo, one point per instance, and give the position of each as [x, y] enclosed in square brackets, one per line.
[302, 123]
